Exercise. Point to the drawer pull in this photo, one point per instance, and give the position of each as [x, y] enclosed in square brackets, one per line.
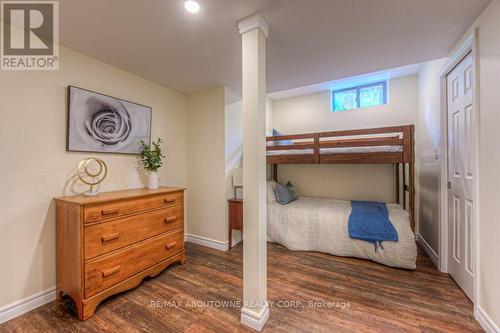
[111, 271]
[110, 237]
[110, 212]
[169, 201]
[170, 219]
[171, 245]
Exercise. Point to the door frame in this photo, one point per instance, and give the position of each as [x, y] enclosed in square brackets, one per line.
[468, 45]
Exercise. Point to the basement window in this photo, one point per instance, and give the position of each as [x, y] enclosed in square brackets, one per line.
[359, 97]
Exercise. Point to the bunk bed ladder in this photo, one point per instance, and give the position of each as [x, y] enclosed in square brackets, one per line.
[406, 186]
[409, 158]
[274, 172]
[398, 189]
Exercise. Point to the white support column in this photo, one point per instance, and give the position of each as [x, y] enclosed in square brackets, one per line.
[255, 311]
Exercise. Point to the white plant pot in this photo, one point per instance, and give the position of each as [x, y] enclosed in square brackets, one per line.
[153, 181]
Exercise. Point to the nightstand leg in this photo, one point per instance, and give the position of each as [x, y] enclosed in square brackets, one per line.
[230, 238]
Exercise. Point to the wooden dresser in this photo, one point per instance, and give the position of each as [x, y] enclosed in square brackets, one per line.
[109, 243]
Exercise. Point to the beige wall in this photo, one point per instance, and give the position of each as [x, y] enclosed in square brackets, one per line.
[214, 149]
[269, 129]
[428, 149]
[269, 114]
[312, 113]
[233, 142]
[206, 164]
[36, 167]
[343, 182]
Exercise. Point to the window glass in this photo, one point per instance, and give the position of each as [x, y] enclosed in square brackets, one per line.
[371, 96]
[345, 100]
[359, 97]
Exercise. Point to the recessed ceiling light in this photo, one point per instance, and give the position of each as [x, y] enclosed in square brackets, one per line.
[192, 6]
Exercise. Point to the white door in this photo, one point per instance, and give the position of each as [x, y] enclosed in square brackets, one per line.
[461, 203]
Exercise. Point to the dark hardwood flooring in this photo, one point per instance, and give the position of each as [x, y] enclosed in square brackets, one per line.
[376, 298]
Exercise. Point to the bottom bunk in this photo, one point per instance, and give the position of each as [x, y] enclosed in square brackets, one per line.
[319, 224]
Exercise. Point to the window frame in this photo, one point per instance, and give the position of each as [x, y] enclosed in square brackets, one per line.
[358, 100]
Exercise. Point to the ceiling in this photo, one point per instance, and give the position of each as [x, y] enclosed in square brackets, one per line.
[349, 82]
[310, 41]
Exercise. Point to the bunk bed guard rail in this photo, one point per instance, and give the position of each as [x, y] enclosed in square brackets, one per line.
[383, 145]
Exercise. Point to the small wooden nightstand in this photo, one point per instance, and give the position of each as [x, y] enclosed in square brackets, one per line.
[235, 217]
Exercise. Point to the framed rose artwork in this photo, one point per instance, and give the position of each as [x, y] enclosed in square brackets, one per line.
[103, 124]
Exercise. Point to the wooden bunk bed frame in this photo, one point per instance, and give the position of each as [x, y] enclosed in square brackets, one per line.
[385, 136]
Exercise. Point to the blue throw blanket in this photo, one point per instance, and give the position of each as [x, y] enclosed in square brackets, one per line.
[369, 221]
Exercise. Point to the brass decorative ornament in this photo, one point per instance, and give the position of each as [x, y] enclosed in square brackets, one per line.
[92, 172]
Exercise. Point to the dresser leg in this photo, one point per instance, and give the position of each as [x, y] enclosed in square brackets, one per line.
[230, 239]
[80, 310]
[182, 259]
[86, 310]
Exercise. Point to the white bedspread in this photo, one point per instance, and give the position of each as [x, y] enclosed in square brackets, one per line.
[315, 224]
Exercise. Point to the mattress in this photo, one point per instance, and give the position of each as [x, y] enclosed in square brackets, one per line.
[290, 152]
[317, 224]
[372, 149]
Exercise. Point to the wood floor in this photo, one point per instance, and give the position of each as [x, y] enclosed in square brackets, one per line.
[363, 296]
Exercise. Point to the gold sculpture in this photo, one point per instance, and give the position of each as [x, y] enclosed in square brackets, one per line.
[89, 177]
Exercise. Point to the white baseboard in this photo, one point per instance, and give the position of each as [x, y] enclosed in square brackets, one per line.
[485, 321]
[34, 301]
[237, 240]
[255, 320]
[211, 243]
[18, 308]
[428, 249]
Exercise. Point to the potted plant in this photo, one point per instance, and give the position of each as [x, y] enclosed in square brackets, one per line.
[151, 158]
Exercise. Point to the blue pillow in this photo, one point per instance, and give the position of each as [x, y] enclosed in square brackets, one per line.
[285, 194]
[282, 142]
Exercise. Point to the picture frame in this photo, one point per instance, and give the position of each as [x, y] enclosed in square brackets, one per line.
[100, 123]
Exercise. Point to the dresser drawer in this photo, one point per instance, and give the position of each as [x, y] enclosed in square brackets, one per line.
[111, 235]
[115, 209]
[109, 270]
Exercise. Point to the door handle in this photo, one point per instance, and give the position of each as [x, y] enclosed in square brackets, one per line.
[110, 271]
[110, 237]
[170, 219]
[171, 245]
[110, 212]
[449, 185]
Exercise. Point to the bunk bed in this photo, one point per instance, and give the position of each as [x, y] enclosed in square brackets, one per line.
[387, 145]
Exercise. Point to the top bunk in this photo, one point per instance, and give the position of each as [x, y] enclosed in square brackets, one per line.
[362, 146]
